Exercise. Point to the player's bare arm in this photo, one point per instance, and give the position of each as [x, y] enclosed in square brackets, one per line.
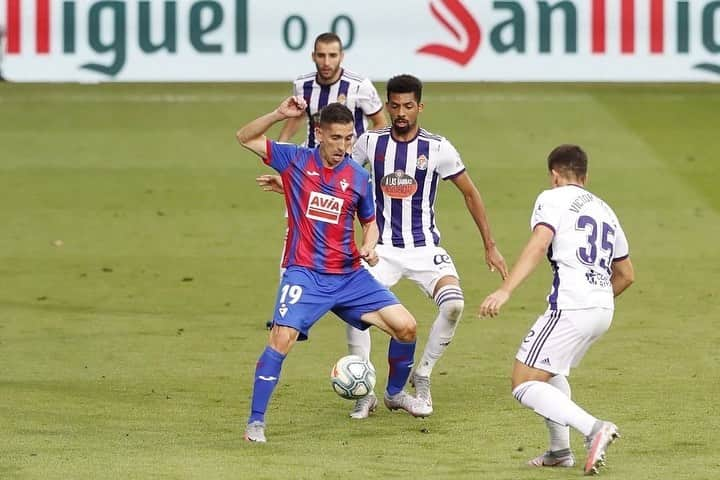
[476, 207]
[252, 136]
[378, 120]
[534, 251]
[370, 236]
[290, 128]
[623, 275]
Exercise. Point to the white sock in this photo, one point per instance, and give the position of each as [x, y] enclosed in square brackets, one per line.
[450, 303]
[559, 434]
[358, 342]
[551, 403]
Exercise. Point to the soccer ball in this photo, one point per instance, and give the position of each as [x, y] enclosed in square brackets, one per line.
[352, 377]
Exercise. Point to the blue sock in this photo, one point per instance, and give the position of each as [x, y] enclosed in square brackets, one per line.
[400, 359]
[267, 373]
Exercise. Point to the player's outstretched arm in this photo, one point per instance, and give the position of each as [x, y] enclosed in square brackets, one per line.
[623, 275]
[476, 207]
[252, 136]
[534, 251]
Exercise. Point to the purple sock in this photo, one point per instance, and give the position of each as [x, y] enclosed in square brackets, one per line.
[400, 359]
[267, 373]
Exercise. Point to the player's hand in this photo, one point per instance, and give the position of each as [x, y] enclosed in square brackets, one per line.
[270, 183]
[491, 305]
[292, 107]
[369, 256]
[495, 261]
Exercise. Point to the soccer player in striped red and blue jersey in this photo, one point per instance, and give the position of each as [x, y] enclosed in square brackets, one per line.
[331, 83]
[589, 255]
[324, 192]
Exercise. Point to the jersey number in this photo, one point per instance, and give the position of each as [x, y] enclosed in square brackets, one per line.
[588, 254]
[292, 291]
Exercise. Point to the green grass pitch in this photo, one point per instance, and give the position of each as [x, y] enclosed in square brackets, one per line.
[138, 264]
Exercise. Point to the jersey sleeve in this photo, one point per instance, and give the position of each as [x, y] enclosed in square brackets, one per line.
[449, 162]
[368, 98]
[621, 249]
[360, 150]
[366, 205]
[280, 155]
[546, 212]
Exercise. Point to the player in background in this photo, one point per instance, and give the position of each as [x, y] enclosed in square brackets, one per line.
[330, 83]
[588, 253]
[324, 191]
[407, 163]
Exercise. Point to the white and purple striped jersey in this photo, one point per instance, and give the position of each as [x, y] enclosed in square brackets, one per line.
[354, 91]
[587, 238]
[406, 175]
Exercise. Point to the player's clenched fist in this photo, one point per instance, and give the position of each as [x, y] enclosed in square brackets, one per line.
[369, 256]
[292, 107]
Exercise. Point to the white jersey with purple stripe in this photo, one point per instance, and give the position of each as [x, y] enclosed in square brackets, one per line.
[406, 176]
[587, 238]
[352, 90]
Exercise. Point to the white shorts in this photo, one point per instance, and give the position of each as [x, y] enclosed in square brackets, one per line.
[423, 265]
[559, 338]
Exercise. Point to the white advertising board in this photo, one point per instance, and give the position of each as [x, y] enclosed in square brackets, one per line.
[437, 40]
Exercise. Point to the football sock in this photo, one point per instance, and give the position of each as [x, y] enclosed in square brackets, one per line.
[400, 359]
[559, 434]
[450, 303]
[267, 373]
[553, 404]
[358, 342]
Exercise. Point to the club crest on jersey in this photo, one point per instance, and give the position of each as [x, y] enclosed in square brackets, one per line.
[422, 162]
[398, 185]
[324, 208]
[344, 184]
[341, 99]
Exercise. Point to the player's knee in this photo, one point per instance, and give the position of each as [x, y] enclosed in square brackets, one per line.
[406, 331]
[451, 302]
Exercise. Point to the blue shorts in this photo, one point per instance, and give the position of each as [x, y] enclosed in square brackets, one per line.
[306, 295]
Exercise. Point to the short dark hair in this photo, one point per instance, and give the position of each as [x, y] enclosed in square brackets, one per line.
[405, 84]
[327, 37]
[335, 113]
[566, 159]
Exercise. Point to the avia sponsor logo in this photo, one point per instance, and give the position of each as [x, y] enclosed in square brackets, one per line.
[664, 26]
[324, 208]
[105, 28]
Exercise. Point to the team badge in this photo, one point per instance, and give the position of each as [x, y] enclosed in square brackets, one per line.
[344, 184]
[422, 162]
[398, 185]
[341, 99]
[324, 208]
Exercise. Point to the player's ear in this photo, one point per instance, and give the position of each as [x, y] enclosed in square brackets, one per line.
[318, 134]
[421, 106]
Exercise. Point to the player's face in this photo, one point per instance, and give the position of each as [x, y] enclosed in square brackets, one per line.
[327, 58]
[404, 110]
[335, 140]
